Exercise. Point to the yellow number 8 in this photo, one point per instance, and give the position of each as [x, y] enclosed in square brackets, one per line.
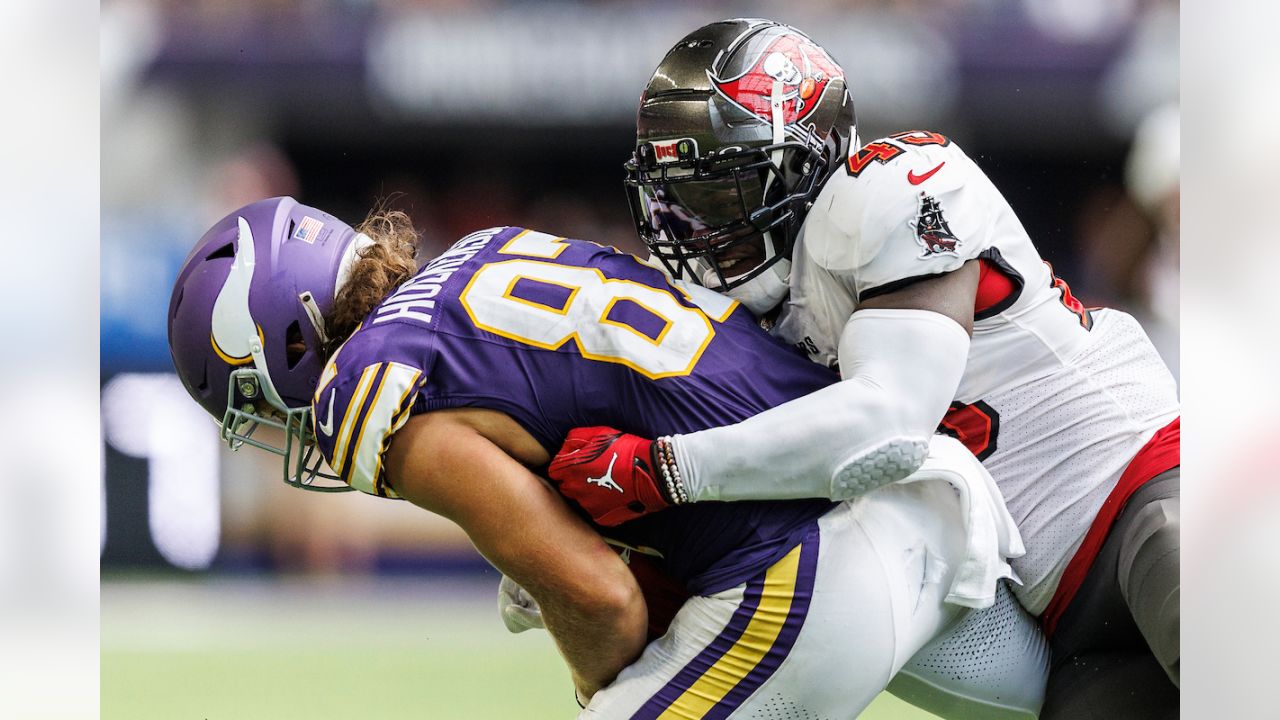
[619, 321]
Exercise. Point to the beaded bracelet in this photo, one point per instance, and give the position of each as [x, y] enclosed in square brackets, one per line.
[670, 471]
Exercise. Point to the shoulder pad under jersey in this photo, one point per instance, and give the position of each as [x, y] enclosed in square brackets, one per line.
[364, 395]
[904, 207]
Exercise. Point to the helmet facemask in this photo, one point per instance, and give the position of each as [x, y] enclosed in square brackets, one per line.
[696, 214]
[252, 402]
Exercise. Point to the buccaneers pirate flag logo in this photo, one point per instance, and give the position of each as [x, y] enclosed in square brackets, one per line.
[803, 68]
[932, 231]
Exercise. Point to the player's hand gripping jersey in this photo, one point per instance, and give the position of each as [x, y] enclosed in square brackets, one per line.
[561, 333]
[1057, 400]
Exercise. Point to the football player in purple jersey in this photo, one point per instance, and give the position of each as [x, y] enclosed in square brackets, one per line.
[450, 385]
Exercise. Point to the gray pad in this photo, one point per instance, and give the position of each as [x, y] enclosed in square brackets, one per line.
[877, 467]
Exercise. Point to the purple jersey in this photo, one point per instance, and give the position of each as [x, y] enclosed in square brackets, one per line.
[560, 334]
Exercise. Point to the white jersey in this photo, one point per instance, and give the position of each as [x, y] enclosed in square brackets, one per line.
[1055, 400]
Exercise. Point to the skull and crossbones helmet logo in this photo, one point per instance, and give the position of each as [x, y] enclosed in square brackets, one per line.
[803, 68]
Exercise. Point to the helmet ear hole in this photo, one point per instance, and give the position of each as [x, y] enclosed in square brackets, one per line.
[226, 251]
[295, 345]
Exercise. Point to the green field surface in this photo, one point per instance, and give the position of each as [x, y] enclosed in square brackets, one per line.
[249, 650]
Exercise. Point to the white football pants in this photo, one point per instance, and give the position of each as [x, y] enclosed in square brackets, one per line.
[820, 633]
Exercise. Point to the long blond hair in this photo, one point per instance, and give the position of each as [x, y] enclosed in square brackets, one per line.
[380, 268]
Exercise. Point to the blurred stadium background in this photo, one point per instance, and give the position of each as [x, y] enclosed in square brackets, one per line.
[226, 594]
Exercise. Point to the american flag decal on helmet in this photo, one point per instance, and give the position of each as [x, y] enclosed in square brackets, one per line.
[307, 230]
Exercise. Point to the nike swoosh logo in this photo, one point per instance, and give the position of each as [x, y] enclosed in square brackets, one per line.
[606, 480]
[915, 179]
[326, 427]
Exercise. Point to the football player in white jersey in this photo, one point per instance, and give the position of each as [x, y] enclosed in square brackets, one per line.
[899, 263]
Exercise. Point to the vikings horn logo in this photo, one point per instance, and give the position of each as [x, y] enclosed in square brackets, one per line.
[932, 230]
[803, 68]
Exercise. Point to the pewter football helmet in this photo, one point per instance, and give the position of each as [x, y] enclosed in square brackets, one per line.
[737, 130]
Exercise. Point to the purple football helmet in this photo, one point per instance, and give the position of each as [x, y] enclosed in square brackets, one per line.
[246, 324]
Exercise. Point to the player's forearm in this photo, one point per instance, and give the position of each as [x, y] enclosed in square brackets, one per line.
[831, 444]
[901, 370]
[600, 638]
[590, 601]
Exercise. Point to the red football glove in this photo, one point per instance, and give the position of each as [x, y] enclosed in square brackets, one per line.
[609, 473]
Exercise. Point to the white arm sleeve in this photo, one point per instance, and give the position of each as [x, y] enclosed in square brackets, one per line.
[901, 369]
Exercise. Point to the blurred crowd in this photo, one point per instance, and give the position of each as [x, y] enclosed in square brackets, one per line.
[209, 105]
